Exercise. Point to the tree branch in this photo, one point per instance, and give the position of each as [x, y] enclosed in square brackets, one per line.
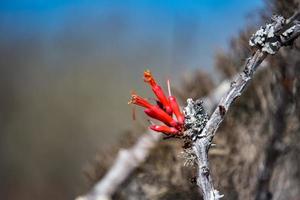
[126, 161]
[268, 40]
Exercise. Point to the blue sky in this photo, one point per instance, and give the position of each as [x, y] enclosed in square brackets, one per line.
[214, 21]
[173, 4]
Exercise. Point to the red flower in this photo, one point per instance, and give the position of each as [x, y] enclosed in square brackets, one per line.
[163, 110]
[176, 110]
[157, 91]
[157, 113]
[135, 99]
[164, 129]
[175, 107]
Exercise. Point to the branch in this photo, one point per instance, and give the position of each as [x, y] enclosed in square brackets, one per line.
[268, 39]
[126, 161]
[210, 101]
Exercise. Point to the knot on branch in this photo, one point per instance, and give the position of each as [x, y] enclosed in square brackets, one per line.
[195, 119]
[266, 38]
[204, 170]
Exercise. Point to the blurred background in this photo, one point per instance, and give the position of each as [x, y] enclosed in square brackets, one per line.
[67, 69]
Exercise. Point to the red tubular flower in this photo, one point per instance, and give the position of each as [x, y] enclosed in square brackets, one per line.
[158, 91]
[176, 110]
[164, 109]
[157, 113]
[165, 129]
[152, 110]
[135, 99]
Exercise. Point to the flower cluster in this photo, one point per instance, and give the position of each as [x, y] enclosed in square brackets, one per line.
[163, 110]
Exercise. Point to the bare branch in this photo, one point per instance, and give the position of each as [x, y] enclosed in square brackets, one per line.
[126, 161]
[268, 40]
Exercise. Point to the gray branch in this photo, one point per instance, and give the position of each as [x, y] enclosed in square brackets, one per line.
[268, 40]
[126, 161]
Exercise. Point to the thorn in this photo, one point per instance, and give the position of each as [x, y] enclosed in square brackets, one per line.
[169, 87]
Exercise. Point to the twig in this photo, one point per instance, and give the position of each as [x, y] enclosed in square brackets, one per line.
[126, 161]
[268, 40]
[210, 101]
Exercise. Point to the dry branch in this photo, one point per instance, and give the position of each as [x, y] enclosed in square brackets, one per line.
[126, 161]
[268, 40]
